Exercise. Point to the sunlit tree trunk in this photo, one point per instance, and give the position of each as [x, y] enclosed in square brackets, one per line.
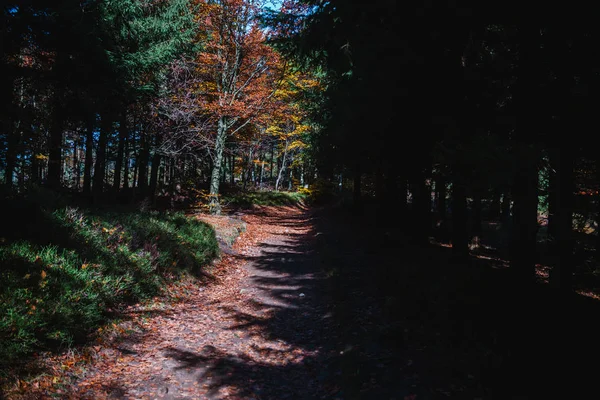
[283, 166]
[215, 179]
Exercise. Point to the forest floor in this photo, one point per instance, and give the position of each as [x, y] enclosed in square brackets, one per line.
[310, 304]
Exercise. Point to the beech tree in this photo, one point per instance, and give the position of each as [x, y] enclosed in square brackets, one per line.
[238, 74]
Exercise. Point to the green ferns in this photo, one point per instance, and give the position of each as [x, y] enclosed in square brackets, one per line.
[56, 290]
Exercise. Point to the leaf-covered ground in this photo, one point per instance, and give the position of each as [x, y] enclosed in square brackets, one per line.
[310, 304]
[251, 335]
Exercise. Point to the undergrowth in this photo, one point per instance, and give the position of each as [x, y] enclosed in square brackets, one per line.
[65, 270]
[263, 198]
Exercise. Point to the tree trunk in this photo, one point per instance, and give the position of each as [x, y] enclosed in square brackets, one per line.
[75, 164]
[120, 151]
[421, 206]
[505, 206]
[135, 176]
[441, 192]
[89, 149]
[100, 166]
[11, 151]
[143, 158]
[215, 179]
[495, 206]
[232, 167]
[154, 174]
[356, 192]
[272, 161]
[35, 167]
[262, 172]
[525, 197]
[402, 201]
[460, 236]
[282, 169]
[598, 208]
[476, 226]
[379, 185]
[56, 139]
[525, 183]
[561, 275]
[249, 170]
[126, 165]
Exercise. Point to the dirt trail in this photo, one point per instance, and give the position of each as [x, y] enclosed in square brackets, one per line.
[257, 334]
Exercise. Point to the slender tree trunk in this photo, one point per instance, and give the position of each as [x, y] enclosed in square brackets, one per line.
[21, 175]
[356, 193]
[272, 162]
[421, 209]
[248, 173]
[523, 246]
[505, 208]
[143, 157]
[561, 275]
[460, 236]
[232, 166]
[282, 169]
[100, 167]
[495, 206]
[598, 207]
[135, 182]
[215, 179]
[89, 149]
[379, 184]
[525, 183]
[224, 170]
[56, 139]
[392, 194]
[120, 151]
[75, 164]
[476, 226]
[154, 174]
[402, 200]
[35, 167]
[126, 165]
[262, 172]
[11, 151]
[441, 193]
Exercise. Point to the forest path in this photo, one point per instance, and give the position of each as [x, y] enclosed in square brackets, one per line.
[260, 333]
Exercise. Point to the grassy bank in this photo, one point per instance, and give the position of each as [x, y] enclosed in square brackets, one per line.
[65, 270]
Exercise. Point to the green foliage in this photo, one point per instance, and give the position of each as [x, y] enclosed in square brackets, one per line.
[321, 192]
[140, 40]
[266, 198]
[65, 269]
